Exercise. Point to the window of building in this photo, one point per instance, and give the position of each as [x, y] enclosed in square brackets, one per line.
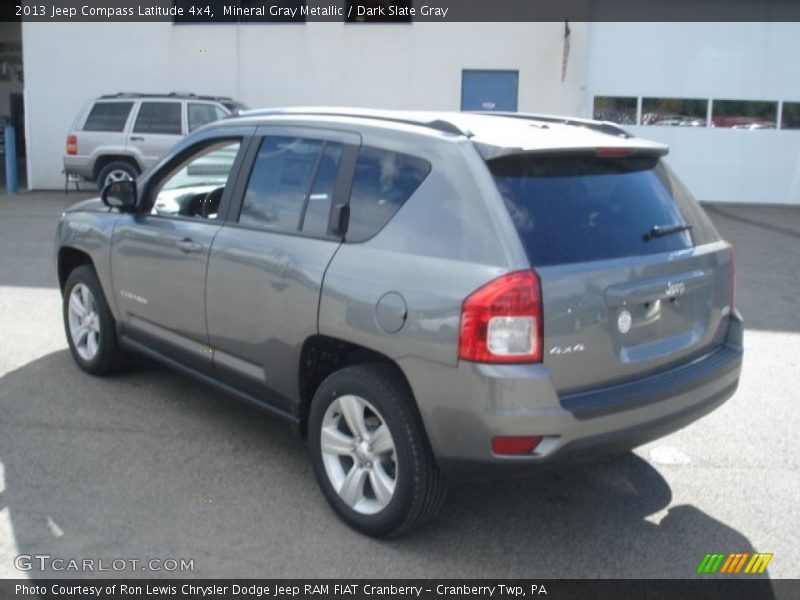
[674, 112]
[790, 119]
[744, 114]
[159, 117]
[378, 11]
[616, 109]
[382, 183]
[202, 114]
[108, 116]
[280, 180]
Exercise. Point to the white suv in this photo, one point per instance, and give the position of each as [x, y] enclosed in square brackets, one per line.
[117, 136]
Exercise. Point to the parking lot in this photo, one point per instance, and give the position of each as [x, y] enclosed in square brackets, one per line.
[150, 464]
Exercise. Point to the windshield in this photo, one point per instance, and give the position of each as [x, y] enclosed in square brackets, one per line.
[580, 208]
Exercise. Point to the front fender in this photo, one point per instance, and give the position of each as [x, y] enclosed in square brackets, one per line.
[90, 232]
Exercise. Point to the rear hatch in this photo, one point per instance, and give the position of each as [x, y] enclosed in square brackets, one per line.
[634, 277]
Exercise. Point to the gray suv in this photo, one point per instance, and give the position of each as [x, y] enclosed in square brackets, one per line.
[424, 296]
[117, 136]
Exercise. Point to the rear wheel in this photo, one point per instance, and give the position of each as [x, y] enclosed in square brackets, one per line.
[89, 325]
[116, 171]
[370, 454]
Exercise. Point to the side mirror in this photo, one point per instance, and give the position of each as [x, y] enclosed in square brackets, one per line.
[121, 195]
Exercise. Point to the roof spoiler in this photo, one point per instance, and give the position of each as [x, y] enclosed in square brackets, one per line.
[637, 148]
[599, 126]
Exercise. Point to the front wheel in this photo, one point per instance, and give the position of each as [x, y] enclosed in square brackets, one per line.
[89, 324]
[370, 454]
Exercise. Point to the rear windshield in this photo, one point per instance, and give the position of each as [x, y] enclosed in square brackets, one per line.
[583, 208]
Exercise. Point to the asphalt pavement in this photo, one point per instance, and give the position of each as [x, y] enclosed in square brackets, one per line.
[150, 464]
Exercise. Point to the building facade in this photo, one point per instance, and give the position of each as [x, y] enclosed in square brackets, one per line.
[402, 66]
[724, 96]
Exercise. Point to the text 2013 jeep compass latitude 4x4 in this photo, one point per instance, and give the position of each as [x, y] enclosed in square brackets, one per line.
[424, 295]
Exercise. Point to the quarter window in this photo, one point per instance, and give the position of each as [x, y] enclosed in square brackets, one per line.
[382, 183]
[108, 116]
[202, 114]
[159, 117]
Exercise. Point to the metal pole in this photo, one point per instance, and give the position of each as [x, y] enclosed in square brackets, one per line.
[11, 160]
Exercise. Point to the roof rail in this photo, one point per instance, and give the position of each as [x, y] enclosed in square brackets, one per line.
[408, 118]
[600, 126]
[167, 95]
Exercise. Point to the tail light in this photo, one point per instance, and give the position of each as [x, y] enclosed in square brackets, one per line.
[501, 322]
[72, 144]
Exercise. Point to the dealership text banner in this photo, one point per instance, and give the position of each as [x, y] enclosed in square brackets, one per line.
[397, 11]
[751, 588]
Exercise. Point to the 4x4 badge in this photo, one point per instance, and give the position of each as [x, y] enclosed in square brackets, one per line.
[567, 349]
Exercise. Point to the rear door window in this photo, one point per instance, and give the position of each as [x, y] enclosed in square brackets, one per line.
[583, 208]
[291, 185]
[108, 116]
[382, 182]
[318, 204]
[159, 117]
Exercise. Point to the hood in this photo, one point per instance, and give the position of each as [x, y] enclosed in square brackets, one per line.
[90, 205]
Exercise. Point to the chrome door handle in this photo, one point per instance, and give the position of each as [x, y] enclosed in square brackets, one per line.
[189, 245]
[137, 138]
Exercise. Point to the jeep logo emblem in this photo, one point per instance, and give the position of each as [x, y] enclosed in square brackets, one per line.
[624, 321]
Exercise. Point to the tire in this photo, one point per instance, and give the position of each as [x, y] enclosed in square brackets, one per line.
[115, 171]
[383, 489]
[89, 326]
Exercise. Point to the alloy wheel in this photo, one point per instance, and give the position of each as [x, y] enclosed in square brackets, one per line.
[358, 452]
[84, 322]
[117, 175]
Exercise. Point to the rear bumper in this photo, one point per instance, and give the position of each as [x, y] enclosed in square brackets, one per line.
[486, 401]
[78, 165]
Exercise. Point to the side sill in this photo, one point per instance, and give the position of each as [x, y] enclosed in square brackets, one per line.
[133, 345]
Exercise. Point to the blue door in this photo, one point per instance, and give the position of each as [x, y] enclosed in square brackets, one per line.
[489, 90]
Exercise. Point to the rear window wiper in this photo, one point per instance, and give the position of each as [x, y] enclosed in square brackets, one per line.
[660, 231]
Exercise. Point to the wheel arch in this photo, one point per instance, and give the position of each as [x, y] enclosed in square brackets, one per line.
[69, 259]
[323, 355]
[104, 160]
